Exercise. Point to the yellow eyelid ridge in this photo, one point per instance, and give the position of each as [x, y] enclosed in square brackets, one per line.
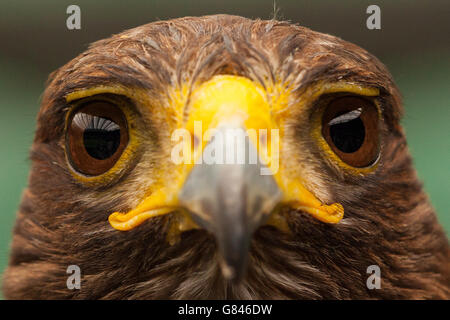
[350, 87]
[132, 93]
[341, 86]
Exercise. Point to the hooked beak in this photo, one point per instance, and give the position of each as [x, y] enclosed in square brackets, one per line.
[230, 199]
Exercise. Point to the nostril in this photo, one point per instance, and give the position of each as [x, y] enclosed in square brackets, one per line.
[195, 141]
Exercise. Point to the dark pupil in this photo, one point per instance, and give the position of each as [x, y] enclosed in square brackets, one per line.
[348, 136]
[101, 138]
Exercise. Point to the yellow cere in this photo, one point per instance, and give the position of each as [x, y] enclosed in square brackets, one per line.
[229, 99]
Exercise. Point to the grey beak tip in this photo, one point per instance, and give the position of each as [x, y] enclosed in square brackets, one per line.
[230, 200]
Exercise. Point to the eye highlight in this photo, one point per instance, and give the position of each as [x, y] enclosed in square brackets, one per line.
[97, 134]
[350, 126]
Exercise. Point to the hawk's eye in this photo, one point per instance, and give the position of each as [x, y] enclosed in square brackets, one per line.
[97, 134]
[350, 126]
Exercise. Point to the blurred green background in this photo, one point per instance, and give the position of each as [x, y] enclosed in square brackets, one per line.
[413, 43]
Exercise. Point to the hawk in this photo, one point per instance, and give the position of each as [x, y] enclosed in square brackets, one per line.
[332, 194]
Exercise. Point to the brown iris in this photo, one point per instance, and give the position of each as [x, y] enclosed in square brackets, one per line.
[97, 134]
[350, 125]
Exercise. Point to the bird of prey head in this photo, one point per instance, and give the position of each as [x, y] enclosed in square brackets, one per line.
[331, 190]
